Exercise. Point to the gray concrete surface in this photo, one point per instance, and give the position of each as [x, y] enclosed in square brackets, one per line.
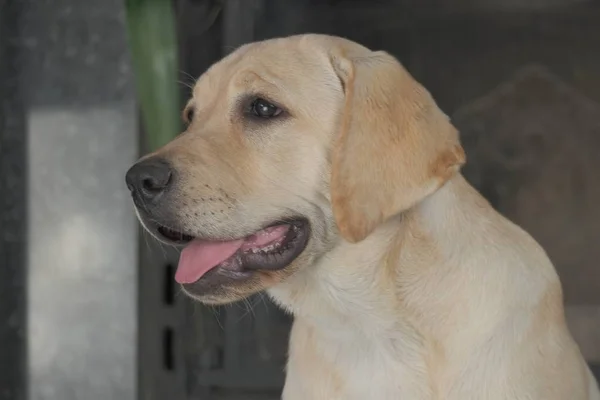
[82, 135]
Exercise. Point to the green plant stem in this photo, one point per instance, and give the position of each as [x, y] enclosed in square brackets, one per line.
[153, 44]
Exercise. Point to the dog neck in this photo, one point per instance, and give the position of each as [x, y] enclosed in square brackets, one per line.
[381, 285]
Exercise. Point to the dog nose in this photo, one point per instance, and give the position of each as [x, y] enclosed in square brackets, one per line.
[149, 178]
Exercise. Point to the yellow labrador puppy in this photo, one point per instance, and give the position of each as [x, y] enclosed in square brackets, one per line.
[321, 171]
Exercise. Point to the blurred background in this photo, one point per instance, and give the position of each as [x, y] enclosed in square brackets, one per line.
[88, 306]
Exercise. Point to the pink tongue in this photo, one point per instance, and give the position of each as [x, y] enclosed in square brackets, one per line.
[200, 256]
[266, 237]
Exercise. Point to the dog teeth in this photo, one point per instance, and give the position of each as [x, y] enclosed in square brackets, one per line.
[270, 248]
[265, 249]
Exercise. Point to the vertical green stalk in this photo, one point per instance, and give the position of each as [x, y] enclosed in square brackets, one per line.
[153, 45]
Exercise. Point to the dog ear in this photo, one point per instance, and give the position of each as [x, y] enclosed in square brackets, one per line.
[394, 146]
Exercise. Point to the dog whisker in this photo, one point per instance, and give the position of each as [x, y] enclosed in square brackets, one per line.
[187, 85]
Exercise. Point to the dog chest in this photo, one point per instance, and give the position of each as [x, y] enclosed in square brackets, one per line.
[350, 366]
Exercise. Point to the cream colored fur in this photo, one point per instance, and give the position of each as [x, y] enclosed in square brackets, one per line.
[423, 310]
[412, 287]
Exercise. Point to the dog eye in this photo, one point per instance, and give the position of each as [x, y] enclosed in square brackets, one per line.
[263, 109]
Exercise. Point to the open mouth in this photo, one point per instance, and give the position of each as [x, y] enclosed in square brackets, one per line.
[173, 236]
[271, 248]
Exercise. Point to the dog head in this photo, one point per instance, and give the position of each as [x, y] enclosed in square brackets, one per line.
[291, 145]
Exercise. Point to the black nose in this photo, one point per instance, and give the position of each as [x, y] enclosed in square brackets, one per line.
[149, 178]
